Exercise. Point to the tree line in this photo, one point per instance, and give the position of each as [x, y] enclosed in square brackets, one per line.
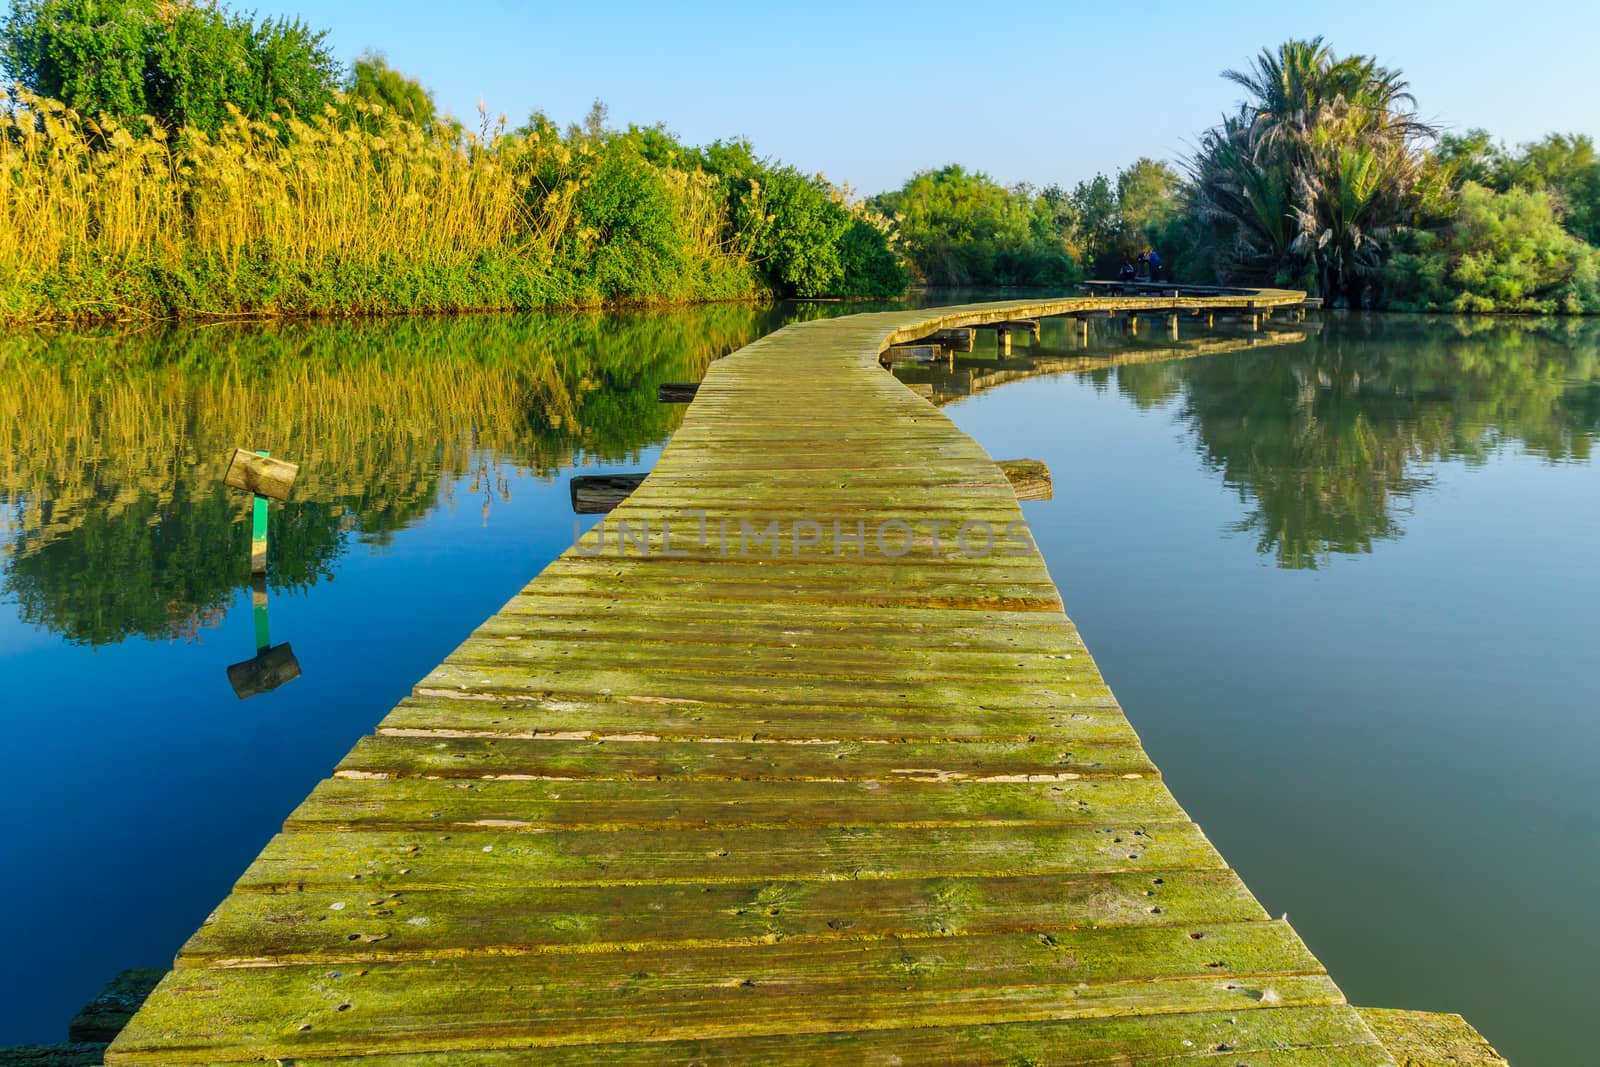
[172, 159]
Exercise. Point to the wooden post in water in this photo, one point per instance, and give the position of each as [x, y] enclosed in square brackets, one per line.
[1002, 342]
[1172, 325]
[266, 478]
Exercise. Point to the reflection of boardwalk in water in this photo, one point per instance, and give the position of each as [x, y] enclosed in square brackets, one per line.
[823, 797]
[967, 374]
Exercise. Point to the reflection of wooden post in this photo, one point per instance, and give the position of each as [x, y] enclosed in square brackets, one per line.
[271, 667]
[1172, 325]
[1133, 323]
[1211, 319]
[258, 607]
[1083, 330]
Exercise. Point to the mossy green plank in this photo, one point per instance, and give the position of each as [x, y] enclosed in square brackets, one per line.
[747, 990]
[405, 860]
[776, 691]
[354, 923]
[870, 629]
[664, 658]
[624, 760]
[1430, 1039]
[489, 713]
[1275, 1037]
[519, 804]
[883, 592]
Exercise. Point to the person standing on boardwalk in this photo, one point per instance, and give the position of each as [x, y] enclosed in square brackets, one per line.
[1155, 265]
[1142, 267]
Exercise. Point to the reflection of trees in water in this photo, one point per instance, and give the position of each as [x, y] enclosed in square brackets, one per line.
[1328, 441]
[112, 447]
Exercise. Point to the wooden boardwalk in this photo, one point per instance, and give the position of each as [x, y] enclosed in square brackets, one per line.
[844, 804]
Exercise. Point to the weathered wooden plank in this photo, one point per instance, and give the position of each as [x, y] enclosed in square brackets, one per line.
[609, 804]
[1430, 1039]
[411, 860]
[780, 693]
[685, 993]
[1273, 1037]
[425, 756]
[886, 592]
[354, 924]
[468, 712]
[600, 608]
[661, 655]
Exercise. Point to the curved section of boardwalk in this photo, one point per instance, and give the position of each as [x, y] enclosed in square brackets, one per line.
[828, 800]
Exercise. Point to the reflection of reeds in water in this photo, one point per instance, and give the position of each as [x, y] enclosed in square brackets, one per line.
[375, 413]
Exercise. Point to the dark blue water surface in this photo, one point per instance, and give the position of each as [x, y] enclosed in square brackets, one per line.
[1343, 580]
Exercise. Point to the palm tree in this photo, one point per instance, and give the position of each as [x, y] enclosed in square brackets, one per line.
[1321, 166]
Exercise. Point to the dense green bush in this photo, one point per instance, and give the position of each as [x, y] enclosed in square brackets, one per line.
[963, 228]
[1502, 252]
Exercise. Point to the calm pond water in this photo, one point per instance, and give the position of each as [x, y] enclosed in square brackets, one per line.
[1342, 580]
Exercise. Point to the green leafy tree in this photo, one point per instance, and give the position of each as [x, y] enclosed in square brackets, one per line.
[180, 63]
[1473, 157]
[1566, 166]
[1099, 225]
[962, 227]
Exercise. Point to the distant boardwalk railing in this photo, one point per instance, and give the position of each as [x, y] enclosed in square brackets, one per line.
[794, 758]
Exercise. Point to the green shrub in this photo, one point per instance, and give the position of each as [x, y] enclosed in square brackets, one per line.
[1504, 252]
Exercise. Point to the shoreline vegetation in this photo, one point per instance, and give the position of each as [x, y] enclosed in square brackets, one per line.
[165, 161]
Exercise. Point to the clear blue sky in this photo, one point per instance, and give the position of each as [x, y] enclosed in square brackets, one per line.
[868, 93]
